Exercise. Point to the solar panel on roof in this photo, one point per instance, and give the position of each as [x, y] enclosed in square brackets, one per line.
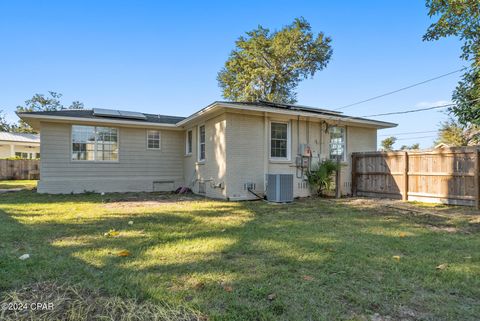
[118, 113]
[132, 114]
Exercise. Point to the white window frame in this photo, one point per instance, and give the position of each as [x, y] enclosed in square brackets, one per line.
[94, 160]
[199, 144]
[289, 141]
[344, 143]
[159, 139]
[188, 144]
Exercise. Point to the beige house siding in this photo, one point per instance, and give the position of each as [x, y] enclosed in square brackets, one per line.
[359, 139]
[212, 171]
[136, 170]
[248, 150]
[237, 150]
[245, 155]
[7, 151]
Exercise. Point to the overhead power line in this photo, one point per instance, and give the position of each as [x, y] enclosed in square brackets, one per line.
[419, 109]
[401, 89]
[410, 133]
[419, 137]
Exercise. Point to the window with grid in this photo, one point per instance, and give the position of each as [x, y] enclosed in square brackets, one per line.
[153, 139]
[90, 143]
[279, 140]
[201, 143]
[188, 148]
[337, 143]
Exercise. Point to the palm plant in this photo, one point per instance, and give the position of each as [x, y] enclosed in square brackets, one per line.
[320, 177]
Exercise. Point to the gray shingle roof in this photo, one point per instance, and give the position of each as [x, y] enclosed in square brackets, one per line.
[88, 114]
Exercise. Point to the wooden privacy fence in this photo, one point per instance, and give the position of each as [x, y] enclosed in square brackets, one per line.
[19, 169]
[447, 175]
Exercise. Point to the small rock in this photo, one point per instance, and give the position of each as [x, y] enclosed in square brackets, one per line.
[130, 222]
[271, 296]
[24, 257]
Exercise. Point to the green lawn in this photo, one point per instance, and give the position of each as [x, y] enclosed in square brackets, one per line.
[311, 260]
[21, 183]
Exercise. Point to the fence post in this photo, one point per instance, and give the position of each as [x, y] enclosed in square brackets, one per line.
[354, 174]
[405, 177]
[477, 178]
[338, 180]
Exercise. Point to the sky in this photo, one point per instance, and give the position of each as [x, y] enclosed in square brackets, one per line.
[163, 57]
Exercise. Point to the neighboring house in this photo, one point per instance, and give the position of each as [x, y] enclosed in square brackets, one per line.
[223, 151]
[20, 145]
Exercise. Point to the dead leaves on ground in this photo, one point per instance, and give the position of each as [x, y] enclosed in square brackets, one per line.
[112, 233]
[124, 253]
[308, 278]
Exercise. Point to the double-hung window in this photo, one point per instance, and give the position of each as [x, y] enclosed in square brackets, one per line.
[189, 142]
[337, 143]
[201, 143]
[279, 141]
[91, 143]
[153, 139]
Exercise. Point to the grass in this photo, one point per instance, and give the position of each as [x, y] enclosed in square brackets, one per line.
[24, 184]
[311, 260]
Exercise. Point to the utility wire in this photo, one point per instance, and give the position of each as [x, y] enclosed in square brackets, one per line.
[401, 89]
[410, 133]
[419, 137]
[419, 109]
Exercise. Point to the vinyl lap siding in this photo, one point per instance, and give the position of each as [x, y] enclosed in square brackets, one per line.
[136, 169]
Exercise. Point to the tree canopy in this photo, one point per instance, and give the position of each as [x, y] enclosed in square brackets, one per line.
[453, 133]
[269, 65]
[40, 102]
[387, 143]
[411, 147]
[461, 18]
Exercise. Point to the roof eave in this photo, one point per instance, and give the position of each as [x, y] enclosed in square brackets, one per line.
[340, 119]
[34, 120]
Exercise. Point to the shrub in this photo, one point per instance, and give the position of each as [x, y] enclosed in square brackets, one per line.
[320, 177]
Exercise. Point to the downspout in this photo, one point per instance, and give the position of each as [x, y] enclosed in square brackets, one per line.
[266, 151]
[298, 134]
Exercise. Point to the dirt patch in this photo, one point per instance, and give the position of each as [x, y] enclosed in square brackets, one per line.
[436, 217]
[149, 200]
[64, 302]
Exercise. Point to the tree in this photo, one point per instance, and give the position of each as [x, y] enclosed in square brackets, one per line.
[5, 126]
[40, 102]
[461, 18]
[387, 143]
[453, 133]
[411, 147]
[269, 65]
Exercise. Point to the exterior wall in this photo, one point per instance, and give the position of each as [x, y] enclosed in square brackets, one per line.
[237, 153]
[359, 139]
[212, 171]
[245, 155]
[6, 150]
[248, 152]
[136, 170]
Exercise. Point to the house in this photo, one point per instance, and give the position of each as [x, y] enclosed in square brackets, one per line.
[222, 151]
[20, 145]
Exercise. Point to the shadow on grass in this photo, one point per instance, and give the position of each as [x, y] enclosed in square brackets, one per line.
[242, 261]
